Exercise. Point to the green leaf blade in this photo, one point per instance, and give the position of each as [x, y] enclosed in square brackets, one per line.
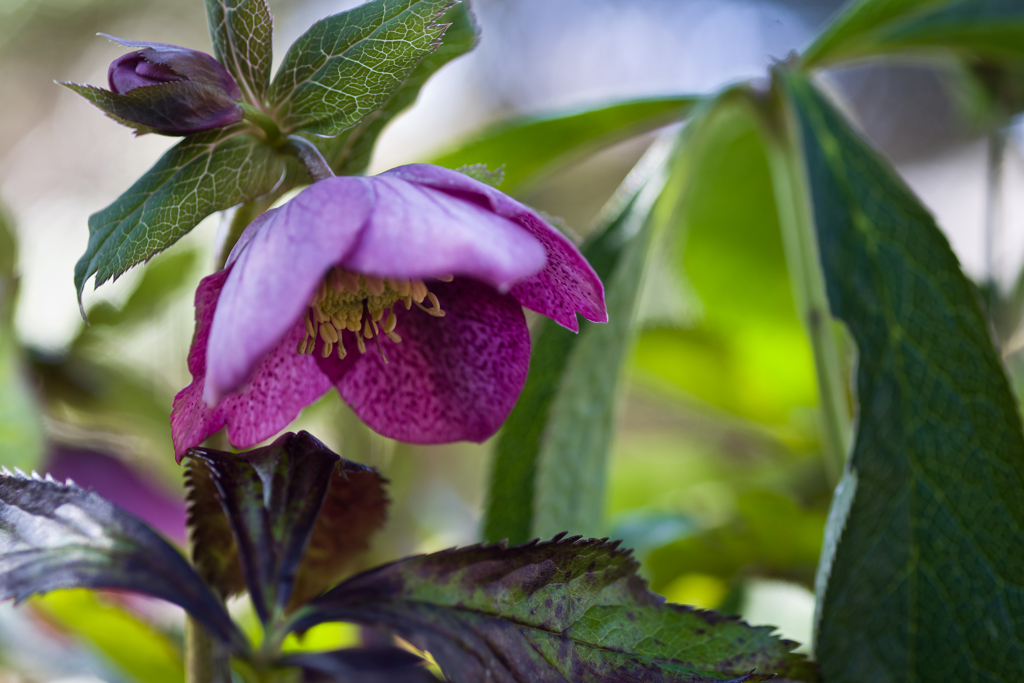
[559, 610]
[531, 147]
[201, 175]
[349, 153]
[241, 32]
[355, 76]
[922, 545]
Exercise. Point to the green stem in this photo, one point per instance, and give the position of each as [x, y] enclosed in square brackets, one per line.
[265, 123]
[793, 204]
[241, 219]
[205, 661]
[310, 156]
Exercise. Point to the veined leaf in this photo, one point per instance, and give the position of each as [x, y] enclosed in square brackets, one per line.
[562, 610]
[167, 108]
[297, 512]
[202, 174]
[922, 574]
[347, 65]
[349, 153]
[531, 147]
[55, 535]
[241, 32]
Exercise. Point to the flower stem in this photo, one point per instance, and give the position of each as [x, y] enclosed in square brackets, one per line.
[792, 199]
[266, 124]
[310, 156]
[204, 661]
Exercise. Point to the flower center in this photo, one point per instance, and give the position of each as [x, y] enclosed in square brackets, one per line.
[364, 306]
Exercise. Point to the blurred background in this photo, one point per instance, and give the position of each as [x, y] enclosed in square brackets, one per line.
[716, 477]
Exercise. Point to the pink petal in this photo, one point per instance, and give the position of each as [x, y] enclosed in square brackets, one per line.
[452, 378]
[281, 386]
[417, 231]
[566, 285]
[274, 276]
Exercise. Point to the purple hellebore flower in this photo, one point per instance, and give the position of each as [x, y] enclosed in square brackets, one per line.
[403, 290]
[168, 89]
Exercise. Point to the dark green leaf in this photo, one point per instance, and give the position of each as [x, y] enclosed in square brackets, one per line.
[298, 514]
[173, 108]
[241, 32]
[55, 535]
[202, 174]
[532, 147]
[347, 65]
[361, 665]
[922, 576]
[562, 610]
[349, 153]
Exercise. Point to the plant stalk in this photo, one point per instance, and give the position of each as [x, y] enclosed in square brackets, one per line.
[793, 204]
[310, 156]
[264, 122]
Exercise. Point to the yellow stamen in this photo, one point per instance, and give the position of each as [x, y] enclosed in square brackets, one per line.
[419, 291]
[363, 305]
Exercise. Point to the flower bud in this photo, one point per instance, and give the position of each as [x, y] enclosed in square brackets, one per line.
[167, 89]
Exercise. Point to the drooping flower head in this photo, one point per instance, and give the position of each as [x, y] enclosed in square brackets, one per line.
[403, 290]
[167, 89]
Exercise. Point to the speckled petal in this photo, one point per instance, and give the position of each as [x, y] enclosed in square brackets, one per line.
[281, 386]
[417, 231]
[276, 273]
[450, 379]
[566, 285]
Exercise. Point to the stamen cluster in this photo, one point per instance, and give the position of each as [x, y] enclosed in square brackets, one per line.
[363, 305]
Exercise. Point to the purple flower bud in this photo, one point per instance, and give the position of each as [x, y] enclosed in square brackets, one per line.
[167, 89]
[132, 71]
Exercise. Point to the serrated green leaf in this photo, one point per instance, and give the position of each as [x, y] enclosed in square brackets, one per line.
[922, 577]
[170, 108]
[202, 174]
[348, 65]
[241, 32]
[297, 512]
[531, 147]
[161, 279]
[988, 29]
[55, 536]
[562, 610]
[349, 153]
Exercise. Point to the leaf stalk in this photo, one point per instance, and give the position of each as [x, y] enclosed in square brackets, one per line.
[793, 204]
